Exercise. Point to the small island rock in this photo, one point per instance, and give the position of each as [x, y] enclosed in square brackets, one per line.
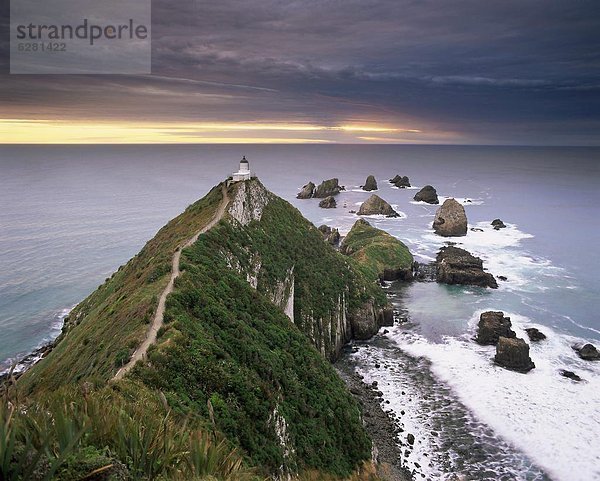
[498, 224]
[375, 205]
[589, 353]
[534, 334]
[450, 219]
[327, 188]
[330, 235]
[570, 375]
[307, 191]
[401, 182]
[513, 354]
[370, 184]
[427, 194]
[457, 266]
[328, 203]
[492, 326]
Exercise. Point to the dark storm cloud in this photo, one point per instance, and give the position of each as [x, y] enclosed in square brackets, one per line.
[492, 71]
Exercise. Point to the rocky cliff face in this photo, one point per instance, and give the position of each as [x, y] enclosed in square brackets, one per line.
[329, 322]
[248, 202]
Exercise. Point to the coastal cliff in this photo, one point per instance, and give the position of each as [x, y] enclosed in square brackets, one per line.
[262, 304]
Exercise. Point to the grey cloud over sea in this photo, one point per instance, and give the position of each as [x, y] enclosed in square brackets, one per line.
[497, 71]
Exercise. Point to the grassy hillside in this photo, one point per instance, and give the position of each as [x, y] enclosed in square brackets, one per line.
[102, 332]
[229, 351]
[228, 360]
[376, 251]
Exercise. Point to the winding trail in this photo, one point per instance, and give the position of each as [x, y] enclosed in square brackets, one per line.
[157, 321]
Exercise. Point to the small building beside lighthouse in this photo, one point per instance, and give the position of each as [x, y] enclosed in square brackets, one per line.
[244, 172]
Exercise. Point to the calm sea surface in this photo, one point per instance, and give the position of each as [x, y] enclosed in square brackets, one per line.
[71, 215]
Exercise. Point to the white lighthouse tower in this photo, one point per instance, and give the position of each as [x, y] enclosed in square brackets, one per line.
[244, 172]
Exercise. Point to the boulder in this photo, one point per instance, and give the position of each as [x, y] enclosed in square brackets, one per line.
[328, 203]
[330, 235]
[450, 219]
[589, 353]
[570, 374]
[307, 191]
[401, 182]
[327, 188]
[457, 266]
[498, 224]
[534, 334]
[370, 184]
[492, 326]
[375, 205]
[513, 354]
[427, 194]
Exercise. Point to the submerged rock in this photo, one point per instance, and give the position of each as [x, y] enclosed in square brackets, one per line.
[498, 224]
[457, 266]
[450, 219]
[327, 188]
[328, 203]
[492, 326]
[513, 354]
[370, 184]
[401, 182]
[427, 194]
[307, 191]
[588, 352]
[570, 374]
[375, 205]
[534, 334]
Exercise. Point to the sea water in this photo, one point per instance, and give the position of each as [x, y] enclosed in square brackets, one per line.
[70, 215]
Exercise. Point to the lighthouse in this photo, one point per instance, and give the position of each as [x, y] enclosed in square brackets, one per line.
[244, 172]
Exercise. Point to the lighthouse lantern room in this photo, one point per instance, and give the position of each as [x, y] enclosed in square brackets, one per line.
[244, 172]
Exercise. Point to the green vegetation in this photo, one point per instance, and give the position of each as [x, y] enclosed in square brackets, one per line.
[376, 251]
[228, 346]
[227, 360]
[122, 432]
[102, 332]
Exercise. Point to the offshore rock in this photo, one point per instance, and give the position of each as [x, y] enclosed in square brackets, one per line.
[457, 266]
[427, 194]
[589, 353]
[375, 205]
[370, 184]
[450, 219]
[328, 203]
[327, 188]
[401, 182]
[570, 375]
[307, 191]
[498, 224]
[330, 235]
[492, 326]
[513, 354]
[534, 334]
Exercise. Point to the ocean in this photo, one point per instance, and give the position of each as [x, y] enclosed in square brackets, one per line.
[71, 215]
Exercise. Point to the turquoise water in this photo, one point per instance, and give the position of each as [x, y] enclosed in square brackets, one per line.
[72, 214]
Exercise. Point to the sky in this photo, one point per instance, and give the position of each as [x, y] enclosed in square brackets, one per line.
[503, 72]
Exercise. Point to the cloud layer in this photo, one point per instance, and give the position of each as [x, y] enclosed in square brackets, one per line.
[457, 71]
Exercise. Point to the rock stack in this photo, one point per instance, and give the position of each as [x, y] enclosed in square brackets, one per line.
[513, 354]
[370, 184]
[375, 205]
[492, 326]
[427, 194]
[457, 266]
[450, 219]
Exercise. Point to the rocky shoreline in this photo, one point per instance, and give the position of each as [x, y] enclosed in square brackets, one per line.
[379, 424]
